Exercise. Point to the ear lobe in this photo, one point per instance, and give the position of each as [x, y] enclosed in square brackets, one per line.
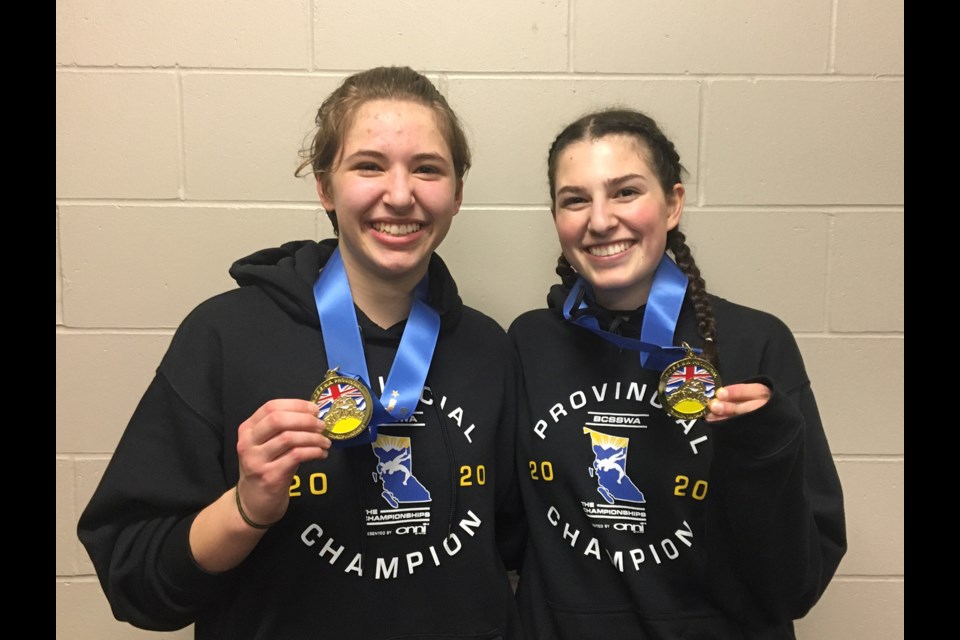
[458, 197]
[675, 206]
[325, 196]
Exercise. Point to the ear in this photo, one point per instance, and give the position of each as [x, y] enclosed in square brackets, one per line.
[675, 200]
[458, 197]
[326, 195]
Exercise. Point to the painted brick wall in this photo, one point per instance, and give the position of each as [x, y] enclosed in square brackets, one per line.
[179, 122]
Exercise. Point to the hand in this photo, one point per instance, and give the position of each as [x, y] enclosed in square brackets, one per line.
[271, 444]
[736, 400]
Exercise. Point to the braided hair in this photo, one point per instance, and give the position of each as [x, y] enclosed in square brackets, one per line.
[665, 162]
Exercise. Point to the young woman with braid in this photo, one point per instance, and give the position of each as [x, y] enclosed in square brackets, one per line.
[647, 521]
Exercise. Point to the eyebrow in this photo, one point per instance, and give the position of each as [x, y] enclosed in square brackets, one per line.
[419, 157]
[431, 156]
[612, 182]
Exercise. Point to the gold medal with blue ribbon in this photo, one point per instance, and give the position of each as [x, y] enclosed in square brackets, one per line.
[655, 346]
[347, 423]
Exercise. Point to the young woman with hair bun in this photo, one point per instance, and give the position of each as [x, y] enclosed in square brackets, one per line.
[327, 451]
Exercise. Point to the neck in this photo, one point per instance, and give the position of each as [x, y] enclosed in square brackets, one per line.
[623, 300]
[385, 309]
[385, 302]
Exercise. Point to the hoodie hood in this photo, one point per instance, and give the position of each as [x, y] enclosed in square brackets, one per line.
[287, 274]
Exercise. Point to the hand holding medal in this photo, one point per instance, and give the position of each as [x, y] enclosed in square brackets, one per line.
[736, 400]
[271, 444]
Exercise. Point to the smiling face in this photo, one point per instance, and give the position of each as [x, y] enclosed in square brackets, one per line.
[395, 192]
[612, 216]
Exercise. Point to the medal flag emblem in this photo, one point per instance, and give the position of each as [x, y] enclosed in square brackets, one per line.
[329, 396]
[344, 406]
[687, 374]
[688, 385]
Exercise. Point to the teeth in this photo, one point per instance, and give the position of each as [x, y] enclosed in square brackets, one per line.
[608, 249]
[396, 229]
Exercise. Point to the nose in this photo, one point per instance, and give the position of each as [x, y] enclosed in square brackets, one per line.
[601, 218]
[399, 191]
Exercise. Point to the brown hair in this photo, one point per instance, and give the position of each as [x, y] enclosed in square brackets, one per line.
[335, 117]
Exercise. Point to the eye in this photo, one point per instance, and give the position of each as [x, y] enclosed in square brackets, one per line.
[428, 169]
[367, 167]
[572, 202]
[628, 192]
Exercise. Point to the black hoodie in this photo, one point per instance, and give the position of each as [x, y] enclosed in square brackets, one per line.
[346, 561]
[643, 526]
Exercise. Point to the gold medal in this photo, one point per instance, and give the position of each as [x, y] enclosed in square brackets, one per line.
[688, 385]
[345, 406]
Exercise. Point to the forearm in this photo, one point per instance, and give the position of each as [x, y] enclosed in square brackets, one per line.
[220, 539]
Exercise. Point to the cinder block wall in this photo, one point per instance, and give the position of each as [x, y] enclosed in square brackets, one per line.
[179, 122]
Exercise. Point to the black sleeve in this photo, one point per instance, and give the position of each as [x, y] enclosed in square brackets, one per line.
[166, 468]
[775, 518]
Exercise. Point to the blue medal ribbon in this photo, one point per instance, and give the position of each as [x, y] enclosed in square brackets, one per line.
[341, 339]
[655, 345]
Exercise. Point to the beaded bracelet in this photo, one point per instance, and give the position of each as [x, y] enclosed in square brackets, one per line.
[246, 518]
